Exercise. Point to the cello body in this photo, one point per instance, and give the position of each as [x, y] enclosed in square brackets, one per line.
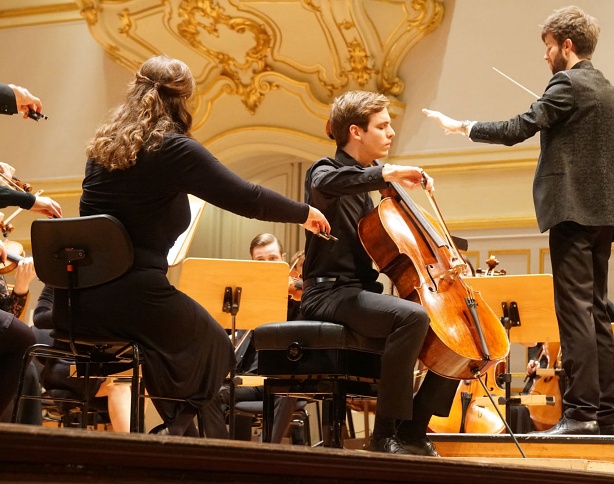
[466, 416]
[545, 417]
[465, 337]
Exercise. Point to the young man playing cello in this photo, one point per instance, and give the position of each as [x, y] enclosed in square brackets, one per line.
[339, 282]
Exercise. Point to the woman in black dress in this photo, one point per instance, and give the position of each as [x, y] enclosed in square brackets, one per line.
[141, 167]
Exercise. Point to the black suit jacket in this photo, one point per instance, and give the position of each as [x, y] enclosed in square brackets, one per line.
[8, 104]
[574, 179]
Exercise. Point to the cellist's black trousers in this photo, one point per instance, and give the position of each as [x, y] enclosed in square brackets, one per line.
[579, 256]
[404, 325]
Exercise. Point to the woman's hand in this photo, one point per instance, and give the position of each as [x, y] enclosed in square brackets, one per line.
[24, 275]
[47, 206]
[316, 222]
[26, 101]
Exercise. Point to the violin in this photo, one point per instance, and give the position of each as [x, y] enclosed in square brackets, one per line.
[16, 183]
[492, 263]
[465, 336]
[295, 288]
[295, 285]
[545, 417]
[15, 254]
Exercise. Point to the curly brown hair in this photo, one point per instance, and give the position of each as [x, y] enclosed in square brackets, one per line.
[156, 104]
[572, 23]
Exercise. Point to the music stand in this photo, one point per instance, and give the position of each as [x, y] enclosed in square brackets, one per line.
[257, 291]
[525, 306]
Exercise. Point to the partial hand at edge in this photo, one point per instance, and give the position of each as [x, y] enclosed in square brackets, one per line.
[26, 101]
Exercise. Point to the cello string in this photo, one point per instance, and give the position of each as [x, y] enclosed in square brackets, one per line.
[444, 227]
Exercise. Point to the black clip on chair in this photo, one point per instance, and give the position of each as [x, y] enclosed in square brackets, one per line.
[72, 254]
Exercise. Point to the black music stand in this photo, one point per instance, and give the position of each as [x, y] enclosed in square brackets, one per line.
[258, 290]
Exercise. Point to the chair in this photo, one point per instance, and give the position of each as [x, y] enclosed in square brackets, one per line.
[318, 359]
[72, 254]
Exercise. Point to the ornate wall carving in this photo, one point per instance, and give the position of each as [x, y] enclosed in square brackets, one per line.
[257, 61]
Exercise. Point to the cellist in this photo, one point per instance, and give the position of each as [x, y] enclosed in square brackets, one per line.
[340, 284]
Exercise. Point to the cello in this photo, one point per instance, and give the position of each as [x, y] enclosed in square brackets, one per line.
[546, 416]
[466, 416]
[465, 337]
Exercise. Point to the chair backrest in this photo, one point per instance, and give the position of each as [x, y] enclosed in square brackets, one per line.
[98, 245]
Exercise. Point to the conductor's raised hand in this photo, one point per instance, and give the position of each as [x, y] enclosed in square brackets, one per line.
[448, 124]
[316, 222]
[47, 206]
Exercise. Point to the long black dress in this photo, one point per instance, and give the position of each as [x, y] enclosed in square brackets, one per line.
[187, 353]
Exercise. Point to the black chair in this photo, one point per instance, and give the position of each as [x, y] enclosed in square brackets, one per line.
[321, 360]
[72, 254]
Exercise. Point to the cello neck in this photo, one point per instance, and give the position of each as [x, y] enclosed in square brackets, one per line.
[413, 208]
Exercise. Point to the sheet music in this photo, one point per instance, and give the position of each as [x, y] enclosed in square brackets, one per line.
[179, 251]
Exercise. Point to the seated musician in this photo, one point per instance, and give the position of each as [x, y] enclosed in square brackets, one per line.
[340, 283]
[15, 335]
[264, 247]
[13, 302]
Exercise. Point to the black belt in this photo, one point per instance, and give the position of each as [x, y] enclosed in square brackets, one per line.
[312, 281]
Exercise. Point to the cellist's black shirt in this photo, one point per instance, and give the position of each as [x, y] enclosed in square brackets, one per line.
[340, 188]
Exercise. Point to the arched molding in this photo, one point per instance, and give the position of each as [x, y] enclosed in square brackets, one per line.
[266, 147]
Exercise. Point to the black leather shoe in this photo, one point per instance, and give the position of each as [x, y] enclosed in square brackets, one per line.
[606, 429]
[419, 446]
[569, 426]
[389, 445]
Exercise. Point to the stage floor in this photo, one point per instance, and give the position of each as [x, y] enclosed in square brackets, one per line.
[31, 454]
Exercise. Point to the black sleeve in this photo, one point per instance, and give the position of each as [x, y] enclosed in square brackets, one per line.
[555, 106]
[14, 198]
[347, 180]
[8, 103]
[198, 172]
[42, 317]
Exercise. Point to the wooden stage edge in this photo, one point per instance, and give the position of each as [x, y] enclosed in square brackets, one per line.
[30, 454]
